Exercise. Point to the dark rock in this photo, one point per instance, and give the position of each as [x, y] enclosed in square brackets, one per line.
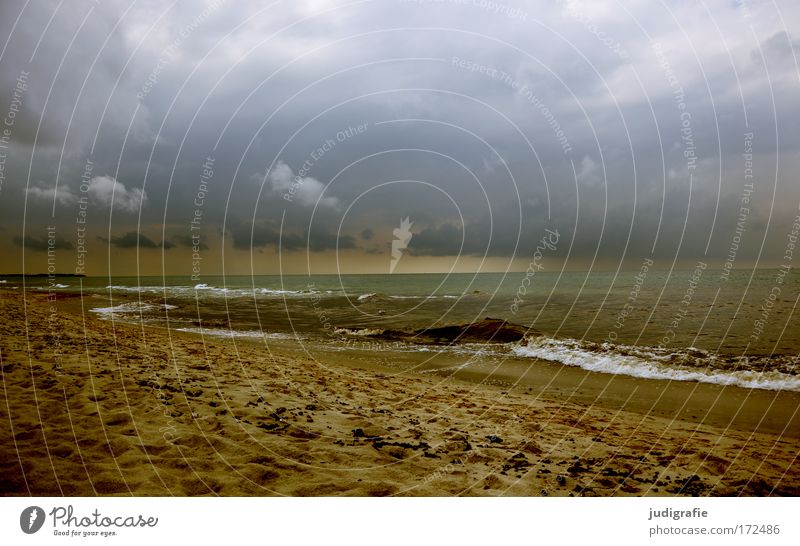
[302, 434]
[693, 486]
[576, 467]
[517, 462]
[486, 330]
[493, 439]
[268, 426]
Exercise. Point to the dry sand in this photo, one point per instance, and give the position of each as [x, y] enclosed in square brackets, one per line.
[90, 407]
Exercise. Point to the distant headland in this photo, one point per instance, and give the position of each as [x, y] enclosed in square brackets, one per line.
[40, 275]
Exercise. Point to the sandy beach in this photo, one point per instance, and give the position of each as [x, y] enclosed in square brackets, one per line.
[91, 407]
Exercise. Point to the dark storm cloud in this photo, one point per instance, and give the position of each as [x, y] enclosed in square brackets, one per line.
[322, 239]
[444, 240]
[778, 47]
[133, 239]
[480, 238]
[43, 244]
[83, 71]
[263, 234]
[188, 241]
[266, 234]
[502, 105]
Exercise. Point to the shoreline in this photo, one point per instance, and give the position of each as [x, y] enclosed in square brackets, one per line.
[125, 409]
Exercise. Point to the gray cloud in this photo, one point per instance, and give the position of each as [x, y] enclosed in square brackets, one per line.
[108, 191]
[305, 190]
[63, 197]
[266, 234]
[779, 48]
[102, 190]
[42, 245]
[187, 241]
[465, 126]
[133, 239]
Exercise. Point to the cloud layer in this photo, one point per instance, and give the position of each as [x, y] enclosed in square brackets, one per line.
[304, 190]
[101, 190]
[314, 126]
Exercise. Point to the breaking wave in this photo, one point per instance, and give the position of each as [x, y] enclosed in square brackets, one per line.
[759, 372]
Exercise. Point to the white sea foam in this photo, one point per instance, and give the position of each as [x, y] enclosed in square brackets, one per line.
[132, 307]
[224, 332]
[209, 291]
[278, 292]
[358, 332]
[648, 363]
[429, 297]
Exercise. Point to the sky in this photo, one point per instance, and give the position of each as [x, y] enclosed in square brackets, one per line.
[205, 138]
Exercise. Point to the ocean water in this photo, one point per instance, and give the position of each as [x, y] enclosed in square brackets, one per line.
[693, 325]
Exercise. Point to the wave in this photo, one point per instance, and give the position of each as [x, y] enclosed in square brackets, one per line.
[208, 290]
[371, 297]
[656, 363]
[280, 292]
[429, 297]
[253, 291]
[132, 307]
[203, 286]
[358, 332]
[226, 332]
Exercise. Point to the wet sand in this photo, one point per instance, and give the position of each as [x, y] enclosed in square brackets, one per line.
[726, 407]
[93, 407]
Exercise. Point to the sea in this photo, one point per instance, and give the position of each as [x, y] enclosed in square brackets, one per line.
[738, 328]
